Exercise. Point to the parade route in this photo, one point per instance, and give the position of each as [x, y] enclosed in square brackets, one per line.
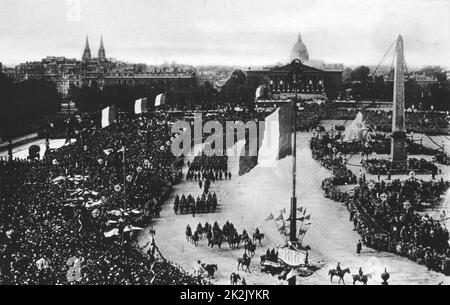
[247, 200]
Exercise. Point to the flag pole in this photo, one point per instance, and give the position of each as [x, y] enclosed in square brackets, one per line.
[293, 222]
[124, 180]
[124, 202]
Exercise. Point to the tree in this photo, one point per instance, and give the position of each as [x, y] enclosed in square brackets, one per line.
[360, 74]
[24, 103]
[230, 88]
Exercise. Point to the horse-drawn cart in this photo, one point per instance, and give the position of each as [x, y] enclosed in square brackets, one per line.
[271, 267]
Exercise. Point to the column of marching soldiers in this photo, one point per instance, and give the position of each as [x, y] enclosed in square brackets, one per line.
[204, 170]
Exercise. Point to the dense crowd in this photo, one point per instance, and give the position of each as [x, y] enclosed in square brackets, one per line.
[384, 167]
[386, 214]
[72, 217]
[330, 158]
[430, 123]
[386, 217]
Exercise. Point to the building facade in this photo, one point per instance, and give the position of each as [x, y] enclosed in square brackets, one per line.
[310, 79]
[102, 71]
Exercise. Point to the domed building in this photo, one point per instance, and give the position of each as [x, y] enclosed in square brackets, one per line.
[299, 51]
[302, 78]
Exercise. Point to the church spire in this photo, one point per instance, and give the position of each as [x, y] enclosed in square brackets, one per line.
[87, 51]
[101, 50]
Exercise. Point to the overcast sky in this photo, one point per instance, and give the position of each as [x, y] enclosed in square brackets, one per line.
[228, 32]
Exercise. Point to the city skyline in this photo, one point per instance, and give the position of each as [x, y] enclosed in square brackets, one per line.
[246, 33]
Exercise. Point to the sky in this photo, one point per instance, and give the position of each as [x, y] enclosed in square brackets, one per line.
[226, 32]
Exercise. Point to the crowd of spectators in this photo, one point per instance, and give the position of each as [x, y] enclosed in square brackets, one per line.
[72, 217]
[427, 122]
[386, 167]
[330, 158]
[386, 215]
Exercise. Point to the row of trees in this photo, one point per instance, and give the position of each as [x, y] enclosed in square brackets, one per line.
[93, 99]
[238, 90]
[360, 84]
[24, 103]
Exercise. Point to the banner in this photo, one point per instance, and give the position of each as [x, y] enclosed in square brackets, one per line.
[291, 258]
[274, 141]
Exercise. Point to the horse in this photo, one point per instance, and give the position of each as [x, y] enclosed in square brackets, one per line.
[188, 235]
[234, 278]
[251, 248]
[338, 273]
[215, 241]
[363, 279]
[234, 241]
[258, 237]
[195, 238]
[210, 269]
[244, 262]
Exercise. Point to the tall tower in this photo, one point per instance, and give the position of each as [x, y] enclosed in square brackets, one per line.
[398, 149]
[101, 50]
[87, 51]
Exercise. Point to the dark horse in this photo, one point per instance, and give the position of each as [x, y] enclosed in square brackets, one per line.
[215, 241]
[363, 279]
[258, 237]
[244, 262]
[195, 238]
[234, 241]
[210, 269]
[338, 273]
[234, 278]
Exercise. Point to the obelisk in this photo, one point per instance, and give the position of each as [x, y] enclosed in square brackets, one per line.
[398, 148]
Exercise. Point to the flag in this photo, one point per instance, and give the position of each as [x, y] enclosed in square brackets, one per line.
[274, 141]
[308, 217]
[304, 228]
[270, 217]
[111, 233]
[300, 209]
[279, 217]
[132, 228]
[108, 116]
[140, 106]
[283, 211]
[160, 99]
[259, 92]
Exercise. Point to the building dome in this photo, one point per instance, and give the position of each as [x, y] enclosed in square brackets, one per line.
[299, 51]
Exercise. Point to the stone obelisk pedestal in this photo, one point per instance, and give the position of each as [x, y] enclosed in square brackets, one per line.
[398, 143]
